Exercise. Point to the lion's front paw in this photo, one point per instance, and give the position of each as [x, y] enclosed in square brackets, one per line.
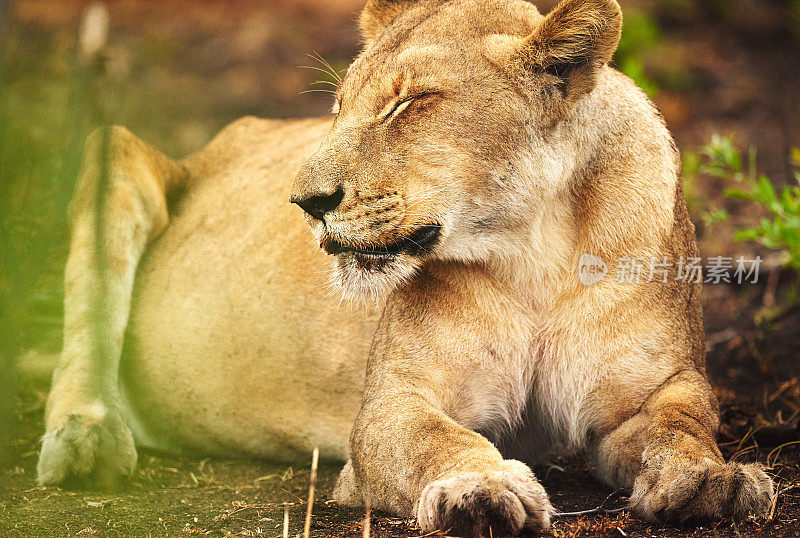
[470, 504]
[346, 492]
[702, 491]
[87, 451]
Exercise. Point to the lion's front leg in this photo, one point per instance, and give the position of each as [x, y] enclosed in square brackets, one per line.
[668, 455]
[411, 459]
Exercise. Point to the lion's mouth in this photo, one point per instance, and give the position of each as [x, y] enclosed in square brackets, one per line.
[417, 243]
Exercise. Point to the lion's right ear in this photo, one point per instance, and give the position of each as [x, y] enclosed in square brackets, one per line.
[378, 14]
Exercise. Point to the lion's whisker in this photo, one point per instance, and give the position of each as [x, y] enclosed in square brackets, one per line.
[319, 90]
[325, 62]
[318, 69]
[328, 68]
[325, 82]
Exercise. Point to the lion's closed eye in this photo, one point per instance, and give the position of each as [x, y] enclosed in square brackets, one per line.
[396, 107]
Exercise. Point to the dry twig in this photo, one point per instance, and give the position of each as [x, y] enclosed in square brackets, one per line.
[311, 486]
[596, 510]
[367, 521]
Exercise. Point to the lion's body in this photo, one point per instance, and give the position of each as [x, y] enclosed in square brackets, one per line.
[479, 151]
[237, 343]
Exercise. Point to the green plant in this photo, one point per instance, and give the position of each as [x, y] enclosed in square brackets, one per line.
[780, 230]
[691, 173]
[639, 33]
[710, 218]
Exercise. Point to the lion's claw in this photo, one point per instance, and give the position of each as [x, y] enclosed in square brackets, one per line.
[702, 491]
[502, 503]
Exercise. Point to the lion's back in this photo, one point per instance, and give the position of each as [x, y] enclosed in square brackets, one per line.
[233, 294]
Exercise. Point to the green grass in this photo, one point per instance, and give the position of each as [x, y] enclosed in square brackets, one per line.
[779, 228]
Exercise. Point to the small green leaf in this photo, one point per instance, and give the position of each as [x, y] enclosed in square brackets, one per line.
[738, 194]
[796, 156]
[748, 234]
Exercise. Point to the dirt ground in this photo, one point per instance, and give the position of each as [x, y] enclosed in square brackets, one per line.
[171, 496]
[180, 70]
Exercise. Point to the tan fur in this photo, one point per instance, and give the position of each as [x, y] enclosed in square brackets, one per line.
[503, 136]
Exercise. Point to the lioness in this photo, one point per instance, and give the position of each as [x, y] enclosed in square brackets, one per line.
[477, 151]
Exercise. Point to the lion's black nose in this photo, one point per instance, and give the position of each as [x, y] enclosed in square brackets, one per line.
[319, 204]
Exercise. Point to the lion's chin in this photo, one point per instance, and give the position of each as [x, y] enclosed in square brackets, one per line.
[365, 277]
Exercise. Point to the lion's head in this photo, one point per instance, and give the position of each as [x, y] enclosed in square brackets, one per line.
[446, 141]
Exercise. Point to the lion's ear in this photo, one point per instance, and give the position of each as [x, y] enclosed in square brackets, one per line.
[572, 42]
[378, 14]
